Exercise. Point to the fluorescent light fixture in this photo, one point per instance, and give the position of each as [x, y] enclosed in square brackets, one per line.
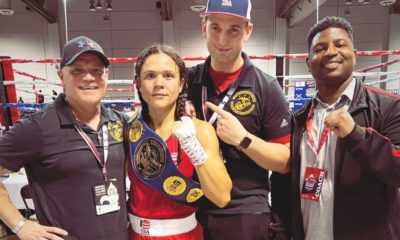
[99, 5]
[5, 8]
[108, 5]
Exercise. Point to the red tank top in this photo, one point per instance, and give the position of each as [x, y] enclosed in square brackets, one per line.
[148, 202]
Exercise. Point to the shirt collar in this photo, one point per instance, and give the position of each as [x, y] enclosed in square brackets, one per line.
[242, 81]
[349, 91]
[344, 100]
[67, 117]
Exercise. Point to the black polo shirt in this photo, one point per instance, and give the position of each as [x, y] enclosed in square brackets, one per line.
[62, 170]
[259, 104]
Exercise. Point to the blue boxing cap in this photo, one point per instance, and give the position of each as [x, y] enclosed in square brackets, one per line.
[238, 8]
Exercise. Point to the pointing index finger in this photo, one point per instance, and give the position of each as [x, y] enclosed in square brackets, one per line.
[216, 109]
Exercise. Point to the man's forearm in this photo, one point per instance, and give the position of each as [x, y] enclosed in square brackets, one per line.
[9, 214]
[270, 156]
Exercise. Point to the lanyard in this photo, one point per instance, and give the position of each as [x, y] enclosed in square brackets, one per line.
[310, 141]
[221, 105]
[92, 147]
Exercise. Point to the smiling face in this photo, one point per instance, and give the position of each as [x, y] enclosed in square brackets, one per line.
[225, 36]
[160, 83]
[332, 57]
[84, 81]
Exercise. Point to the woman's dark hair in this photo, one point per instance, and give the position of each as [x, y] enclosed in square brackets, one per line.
[182, 97]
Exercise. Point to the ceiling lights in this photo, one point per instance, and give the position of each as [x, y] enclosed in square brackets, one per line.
[108, 6]
[349, 2]
[387, 3]
[98, 6]
[92, 8]
[198, 8]
[5, 8]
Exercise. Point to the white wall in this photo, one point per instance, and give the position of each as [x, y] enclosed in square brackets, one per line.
[26, 35]
[136, 23]
[133, 25]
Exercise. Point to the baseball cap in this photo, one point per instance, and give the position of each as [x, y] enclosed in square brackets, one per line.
[82, 44]
[238, 8]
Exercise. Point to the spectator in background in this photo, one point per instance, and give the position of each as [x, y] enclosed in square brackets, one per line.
[40, 97]
[20, 100]
[54, 95]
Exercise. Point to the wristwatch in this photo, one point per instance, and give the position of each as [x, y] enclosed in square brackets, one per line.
[245, 142]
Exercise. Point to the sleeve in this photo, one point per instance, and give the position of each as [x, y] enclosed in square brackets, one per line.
[20, 145]
[379, 151]
[275, 117]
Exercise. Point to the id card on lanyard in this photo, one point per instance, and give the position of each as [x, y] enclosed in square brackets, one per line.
[105, 194]
[314, 177]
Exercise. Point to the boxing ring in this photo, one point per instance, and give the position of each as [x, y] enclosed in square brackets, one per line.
[297, 88]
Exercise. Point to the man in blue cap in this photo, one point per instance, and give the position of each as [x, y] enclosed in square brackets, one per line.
[250, 114]
[73, 157]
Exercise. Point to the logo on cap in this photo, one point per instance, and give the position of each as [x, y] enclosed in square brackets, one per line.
[227, 3]
[88, 43]
[79, 45]
[238, 8]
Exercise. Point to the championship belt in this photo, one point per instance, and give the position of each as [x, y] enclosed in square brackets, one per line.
[152, 164]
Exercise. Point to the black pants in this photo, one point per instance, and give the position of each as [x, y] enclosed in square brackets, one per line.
[236, 227]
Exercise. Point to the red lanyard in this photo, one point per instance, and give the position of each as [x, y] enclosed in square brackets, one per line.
[310, 140]
[92, 147]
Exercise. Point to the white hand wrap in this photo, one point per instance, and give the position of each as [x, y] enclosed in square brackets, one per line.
[186, 134]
